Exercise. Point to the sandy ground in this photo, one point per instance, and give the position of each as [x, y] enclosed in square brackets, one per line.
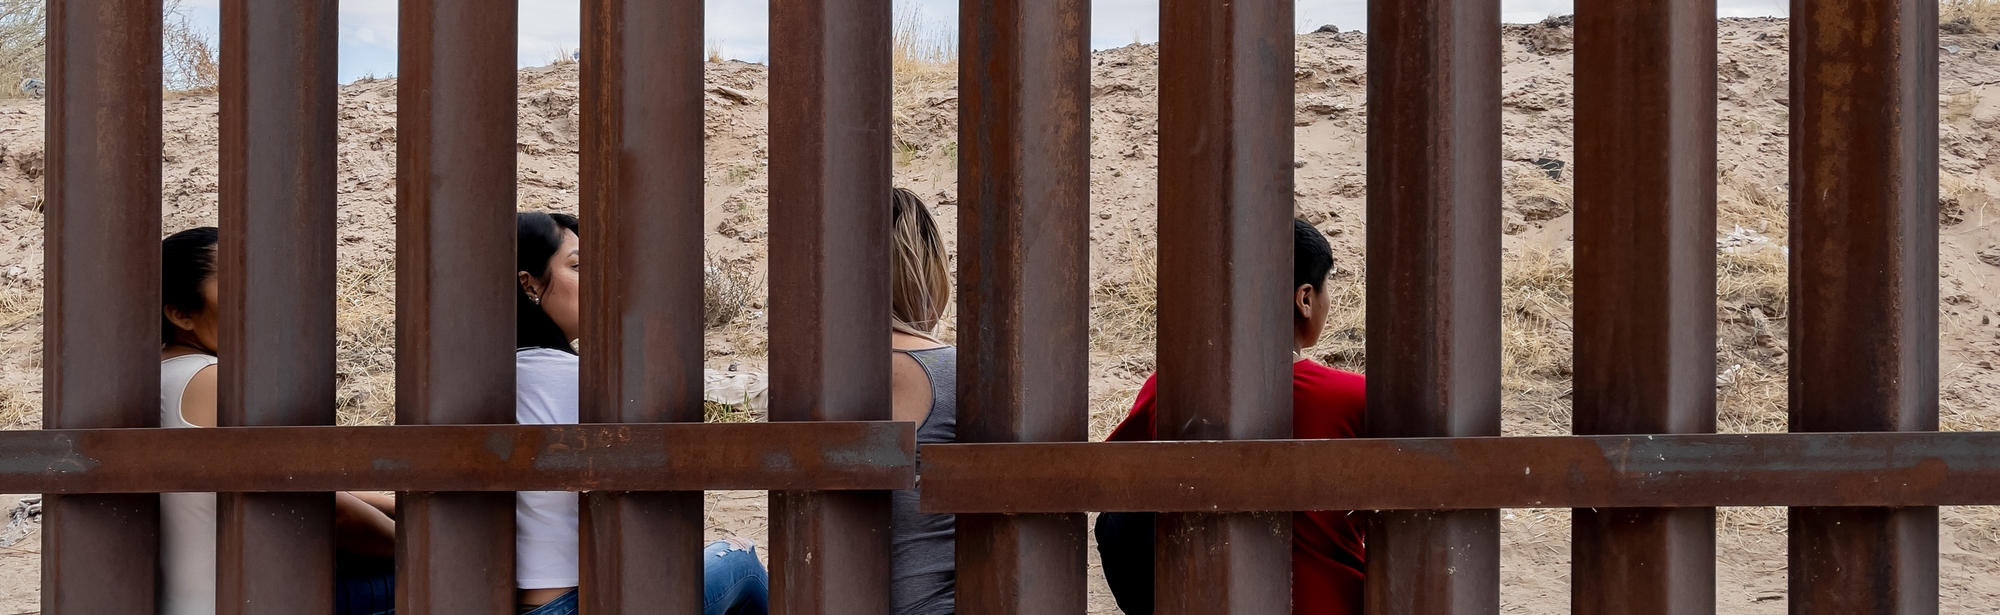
[1330, 117]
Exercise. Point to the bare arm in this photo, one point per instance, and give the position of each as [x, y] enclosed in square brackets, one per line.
[380, 500]
[361, 528]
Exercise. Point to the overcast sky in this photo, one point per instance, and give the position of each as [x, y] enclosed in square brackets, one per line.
[740, 27]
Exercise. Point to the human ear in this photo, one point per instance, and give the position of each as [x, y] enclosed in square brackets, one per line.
[182, 320]
[528, 285]
[1302, 301]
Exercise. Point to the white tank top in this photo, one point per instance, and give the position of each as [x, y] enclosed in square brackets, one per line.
[187, 520]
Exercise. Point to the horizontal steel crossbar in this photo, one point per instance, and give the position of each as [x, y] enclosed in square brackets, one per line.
[1816, 469]
[857, 455]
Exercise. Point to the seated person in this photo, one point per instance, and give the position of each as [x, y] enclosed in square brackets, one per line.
[190, 321]
[1327, 551]
[548, 317]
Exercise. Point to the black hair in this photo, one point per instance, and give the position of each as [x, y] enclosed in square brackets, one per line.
[187, 261]
[1312, 258]
[540, 235]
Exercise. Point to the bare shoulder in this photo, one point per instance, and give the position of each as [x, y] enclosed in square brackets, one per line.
[198, 399]
[909, 388]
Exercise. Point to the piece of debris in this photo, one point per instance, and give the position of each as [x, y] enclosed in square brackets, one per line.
[34, 88]
[22, 519]
[1950, 49]
[1551, 166]
[744, 389]
[741, 97]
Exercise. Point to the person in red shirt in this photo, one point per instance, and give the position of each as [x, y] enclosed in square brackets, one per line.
[1328, 556]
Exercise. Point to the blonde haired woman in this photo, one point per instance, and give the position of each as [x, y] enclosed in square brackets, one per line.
[924, 389]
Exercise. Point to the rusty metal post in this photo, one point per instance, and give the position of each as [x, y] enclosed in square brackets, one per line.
[1864, 284]
[102, 303]
[1645, 286]
[641, 204]
[1434, 283]
[1023, 270]
[830, 256]
[455, 287]
[276, 551]
[1225, 368]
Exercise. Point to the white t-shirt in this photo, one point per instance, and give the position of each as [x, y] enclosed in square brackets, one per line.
[545, 522]
[187, 520]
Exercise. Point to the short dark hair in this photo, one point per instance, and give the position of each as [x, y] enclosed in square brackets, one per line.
[540, 235]
[1312, 258]
[187, 261]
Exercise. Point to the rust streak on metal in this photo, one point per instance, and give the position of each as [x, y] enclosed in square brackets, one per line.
[830, 174]
[276, 271]
[1024, 295]
[1864, 280]
[1831, 469]
[455, 126]
[1434, 283]
[1225, 196]
[1645, 286]
[102, 301]
[636, 457]
[641, 206]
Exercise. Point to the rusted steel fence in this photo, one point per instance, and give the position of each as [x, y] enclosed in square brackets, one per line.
[1645, 469]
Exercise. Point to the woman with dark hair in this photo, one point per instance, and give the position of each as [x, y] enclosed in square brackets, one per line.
[365, 531]
[549, 301]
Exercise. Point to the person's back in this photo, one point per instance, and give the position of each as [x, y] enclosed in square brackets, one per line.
[923, 546]
[923, 382]
[1328, 553]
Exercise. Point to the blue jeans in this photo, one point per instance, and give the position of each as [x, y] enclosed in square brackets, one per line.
[733, 583]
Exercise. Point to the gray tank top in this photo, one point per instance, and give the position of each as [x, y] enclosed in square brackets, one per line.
[922, 548]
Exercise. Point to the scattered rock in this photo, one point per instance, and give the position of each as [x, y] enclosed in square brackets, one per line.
[1990, 255]
[741, 97]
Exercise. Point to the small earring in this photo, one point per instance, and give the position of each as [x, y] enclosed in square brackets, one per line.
[537, 300]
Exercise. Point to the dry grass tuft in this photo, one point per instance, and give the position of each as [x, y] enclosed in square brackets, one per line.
[922, 46]
[1966, 16]
[564, 56]
[1536, 335]
[18, 304]
[365, 343]
[727, 290]
[1124, 315]
[717, 412]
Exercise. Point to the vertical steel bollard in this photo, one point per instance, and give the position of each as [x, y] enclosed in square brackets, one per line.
[641, 205]
[276, 273]
[102, 303]
[1645, 286]
[1864, 279]
[1434, 283]
[1225, 369]
[830, 279]
[455, 287]
[1023, 283]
